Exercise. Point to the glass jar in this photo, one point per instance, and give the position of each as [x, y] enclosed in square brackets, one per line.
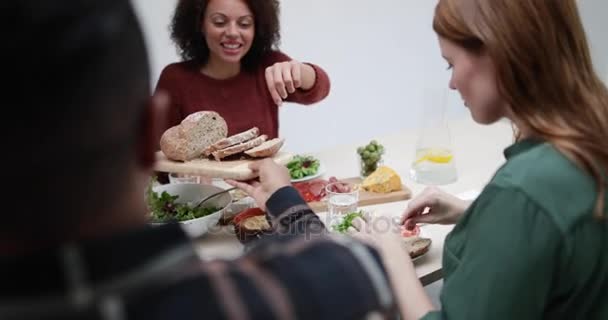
[370, 158]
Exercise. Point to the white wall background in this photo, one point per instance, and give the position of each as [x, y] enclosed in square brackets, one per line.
[380, 56]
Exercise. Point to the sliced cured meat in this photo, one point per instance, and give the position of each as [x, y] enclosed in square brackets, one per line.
[317, 188]
[410, 233]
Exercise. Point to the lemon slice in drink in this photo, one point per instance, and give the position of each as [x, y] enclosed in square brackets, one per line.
[435, 156]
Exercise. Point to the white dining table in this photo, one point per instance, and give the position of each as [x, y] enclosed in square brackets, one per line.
[478, 153]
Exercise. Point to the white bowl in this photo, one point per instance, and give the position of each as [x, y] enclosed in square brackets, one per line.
[192, 192]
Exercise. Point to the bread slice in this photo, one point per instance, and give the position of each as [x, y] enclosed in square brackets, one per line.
[220, 154]
[418, 246]
[257, 223]
[266, 149]
[193, 135]
[232, 140]
[251, 224]
[236, 139]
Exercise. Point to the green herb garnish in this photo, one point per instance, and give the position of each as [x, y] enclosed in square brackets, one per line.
[164, 208]
[302, 166]
[347, 222]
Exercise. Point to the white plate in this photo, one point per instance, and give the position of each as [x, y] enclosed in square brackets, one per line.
[319, 173]
[422, 234]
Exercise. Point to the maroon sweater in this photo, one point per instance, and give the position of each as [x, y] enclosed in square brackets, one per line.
[243, 101]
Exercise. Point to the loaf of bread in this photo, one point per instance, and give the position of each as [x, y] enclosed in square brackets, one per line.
[220, 154]
[266, 149]
[193, 135]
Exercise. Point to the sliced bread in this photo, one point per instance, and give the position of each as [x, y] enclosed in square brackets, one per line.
[220, 154]
[232, 140]
[418, 246]
[266, 149]
[236, 139]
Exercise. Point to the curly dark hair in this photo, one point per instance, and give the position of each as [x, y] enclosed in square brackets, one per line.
[187, 35]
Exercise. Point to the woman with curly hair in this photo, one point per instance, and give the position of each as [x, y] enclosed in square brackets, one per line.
[231, 65]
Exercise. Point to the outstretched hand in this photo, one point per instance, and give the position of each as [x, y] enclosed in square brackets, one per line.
[272, 177]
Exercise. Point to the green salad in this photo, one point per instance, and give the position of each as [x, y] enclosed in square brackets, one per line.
[303, 166]
[347, 222]
[164, 208]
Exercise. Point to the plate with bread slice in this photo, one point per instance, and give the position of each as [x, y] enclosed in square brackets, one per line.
[414, 241]
[200, 145]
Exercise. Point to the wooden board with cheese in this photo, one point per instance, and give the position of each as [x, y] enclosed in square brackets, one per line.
[368, 198]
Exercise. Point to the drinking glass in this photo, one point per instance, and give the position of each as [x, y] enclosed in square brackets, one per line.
[341, 203]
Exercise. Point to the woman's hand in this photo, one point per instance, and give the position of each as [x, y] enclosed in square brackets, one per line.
[272, 177]
[381, 233]
[411, 297]
[434, 206]
[283, 78]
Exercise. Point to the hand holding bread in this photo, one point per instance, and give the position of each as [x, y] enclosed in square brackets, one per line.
[272, 177]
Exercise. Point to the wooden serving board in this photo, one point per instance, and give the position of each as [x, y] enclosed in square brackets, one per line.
[368, 198]
[230, 169]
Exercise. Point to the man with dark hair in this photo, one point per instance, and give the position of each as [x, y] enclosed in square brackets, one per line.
[77, 80]
[73, 238]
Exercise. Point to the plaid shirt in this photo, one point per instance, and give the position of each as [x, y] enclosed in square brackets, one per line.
[299, 272]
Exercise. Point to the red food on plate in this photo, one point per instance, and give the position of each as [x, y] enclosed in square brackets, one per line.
[315, 190]
[312, 191]
[410, 233]
[317, 187]
[304, 190]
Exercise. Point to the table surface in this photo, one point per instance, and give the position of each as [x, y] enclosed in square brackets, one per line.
[478, 152]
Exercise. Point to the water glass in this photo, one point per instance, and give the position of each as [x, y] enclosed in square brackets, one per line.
[341, 203]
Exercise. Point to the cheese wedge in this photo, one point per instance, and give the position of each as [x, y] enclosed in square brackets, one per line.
[383, 180]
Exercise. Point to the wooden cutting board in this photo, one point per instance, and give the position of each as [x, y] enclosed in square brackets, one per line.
[231, 169]
[368, 198]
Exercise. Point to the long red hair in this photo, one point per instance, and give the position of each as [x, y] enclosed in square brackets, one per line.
[544, 72]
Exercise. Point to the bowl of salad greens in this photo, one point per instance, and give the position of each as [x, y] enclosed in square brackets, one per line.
[175, 203]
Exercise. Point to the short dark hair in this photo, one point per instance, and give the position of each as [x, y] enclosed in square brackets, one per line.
[78, 83]
[187, 35]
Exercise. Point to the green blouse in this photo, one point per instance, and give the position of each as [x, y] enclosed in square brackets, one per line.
[529, 246]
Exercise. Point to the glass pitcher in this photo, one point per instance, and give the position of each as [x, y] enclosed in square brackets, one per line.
[433, 163]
